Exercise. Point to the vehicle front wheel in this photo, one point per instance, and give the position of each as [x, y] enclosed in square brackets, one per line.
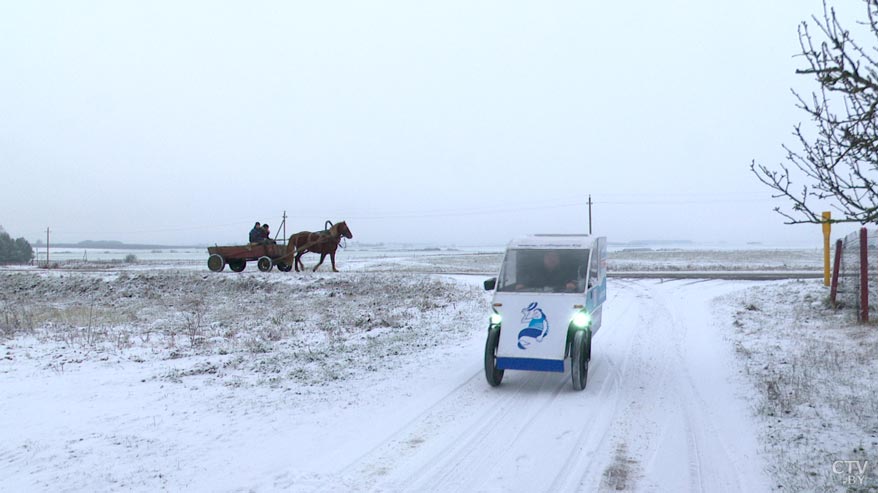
[493, 375]
[579, 357]
[237, 265]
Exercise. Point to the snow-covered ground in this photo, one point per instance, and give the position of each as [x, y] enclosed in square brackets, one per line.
[483, 260]
[812, 371]
[371, 380]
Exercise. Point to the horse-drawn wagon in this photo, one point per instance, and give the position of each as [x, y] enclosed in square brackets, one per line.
[266, 257]
[285, 257]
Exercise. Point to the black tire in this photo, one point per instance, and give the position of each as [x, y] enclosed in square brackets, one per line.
[493, 375]
[237, 265]
[579, 357]
[284, 267]
[264, 264]
[216, 262]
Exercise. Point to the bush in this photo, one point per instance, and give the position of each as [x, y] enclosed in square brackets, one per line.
[14, 251]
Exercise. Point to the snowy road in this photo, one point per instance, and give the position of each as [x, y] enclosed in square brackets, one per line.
[662, 412]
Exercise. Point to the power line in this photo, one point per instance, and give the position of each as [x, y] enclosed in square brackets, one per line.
[672, 199]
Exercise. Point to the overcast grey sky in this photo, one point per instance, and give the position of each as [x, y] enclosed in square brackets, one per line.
[462, 122]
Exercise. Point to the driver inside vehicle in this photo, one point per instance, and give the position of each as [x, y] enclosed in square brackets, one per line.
[549, 274]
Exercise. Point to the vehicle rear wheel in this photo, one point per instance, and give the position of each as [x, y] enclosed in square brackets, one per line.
[493, 375]
[264, 264]
[283, 266]
[216, 262]
[237, 265]
[579, 358]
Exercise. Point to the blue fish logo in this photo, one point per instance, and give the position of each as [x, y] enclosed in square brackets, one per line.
[537, 326]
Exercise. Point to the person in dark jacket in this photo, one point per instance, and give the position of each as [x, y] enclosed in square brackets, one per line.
[549, 274]
[266, 235]
[255, 233]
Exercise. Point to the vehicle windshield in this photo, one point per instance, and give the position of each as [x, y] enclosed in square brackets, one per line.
[544, 271]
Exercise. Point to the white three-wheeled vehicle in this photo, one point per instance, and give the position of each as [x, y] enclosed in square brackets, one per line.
[547, 306]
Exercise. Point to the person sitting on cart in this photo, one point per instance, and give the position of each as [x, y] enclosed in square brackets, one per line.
[256, 233]
[548, 274]
[266, 236]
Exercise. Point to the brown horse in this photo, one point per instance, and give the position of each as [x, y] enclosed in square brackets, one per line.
[322, 242]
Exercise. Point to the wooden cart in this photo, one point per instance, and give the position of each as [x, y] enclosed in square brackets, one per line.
[266, 257]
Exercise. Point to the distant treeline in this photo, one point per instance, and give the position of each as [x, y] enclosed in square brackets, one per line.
[114, 245]
[17, 251]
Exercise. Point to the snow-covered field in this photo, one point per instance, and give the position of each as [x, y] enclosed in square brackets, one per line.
[483, 260]
[768, 260]
[146, 378]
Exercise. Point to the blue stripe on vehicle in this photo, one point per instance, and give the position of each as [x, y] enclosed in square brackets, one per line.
[596, 296]
[532, 364]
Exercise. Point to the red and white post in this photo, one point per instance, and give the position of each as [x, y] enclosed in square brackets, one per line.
[864, 276]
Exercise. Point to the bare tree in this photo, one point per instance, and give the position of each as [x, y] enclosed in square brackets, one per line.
[838, 155]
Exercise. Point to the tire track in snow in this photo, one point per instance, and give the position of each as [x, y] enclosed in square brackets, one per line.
[697, 372]
[644, 412]
[396, 452]
[675, 447]
[585, 472]
[700, 409]
[459, 455]
[455, 466]
[583, 469]
[679, 330]
[693, 429]
[660, 416]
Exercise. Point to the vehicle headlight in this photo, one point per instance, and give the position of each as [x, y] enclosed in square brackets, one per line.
[581, 320]
[496, 318]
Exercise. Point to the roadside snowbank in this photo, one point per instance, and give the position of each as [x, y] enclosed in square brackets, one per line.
[813, 371]
[178, 380]
[250, 329]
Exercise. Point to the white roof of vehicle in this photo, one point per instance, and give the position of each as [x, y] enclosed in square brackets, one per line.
[554, 241]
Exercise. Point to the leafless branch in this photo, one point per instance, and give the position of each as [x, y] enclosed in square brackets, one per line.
[837, 159]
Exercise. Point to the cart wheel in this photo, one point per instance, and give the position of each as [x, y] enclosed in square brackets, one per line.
[493, 375]
[579, 359]
[216, 262]
[283, 266]
[264, 264]
[237, 265]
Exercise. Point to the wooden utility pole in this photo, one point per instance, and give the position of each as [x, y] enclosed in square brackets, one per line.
[589, 213]
[47, 247]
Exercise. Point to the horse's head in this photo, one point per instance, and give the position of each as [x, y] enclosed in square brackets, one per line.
[343, 230]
